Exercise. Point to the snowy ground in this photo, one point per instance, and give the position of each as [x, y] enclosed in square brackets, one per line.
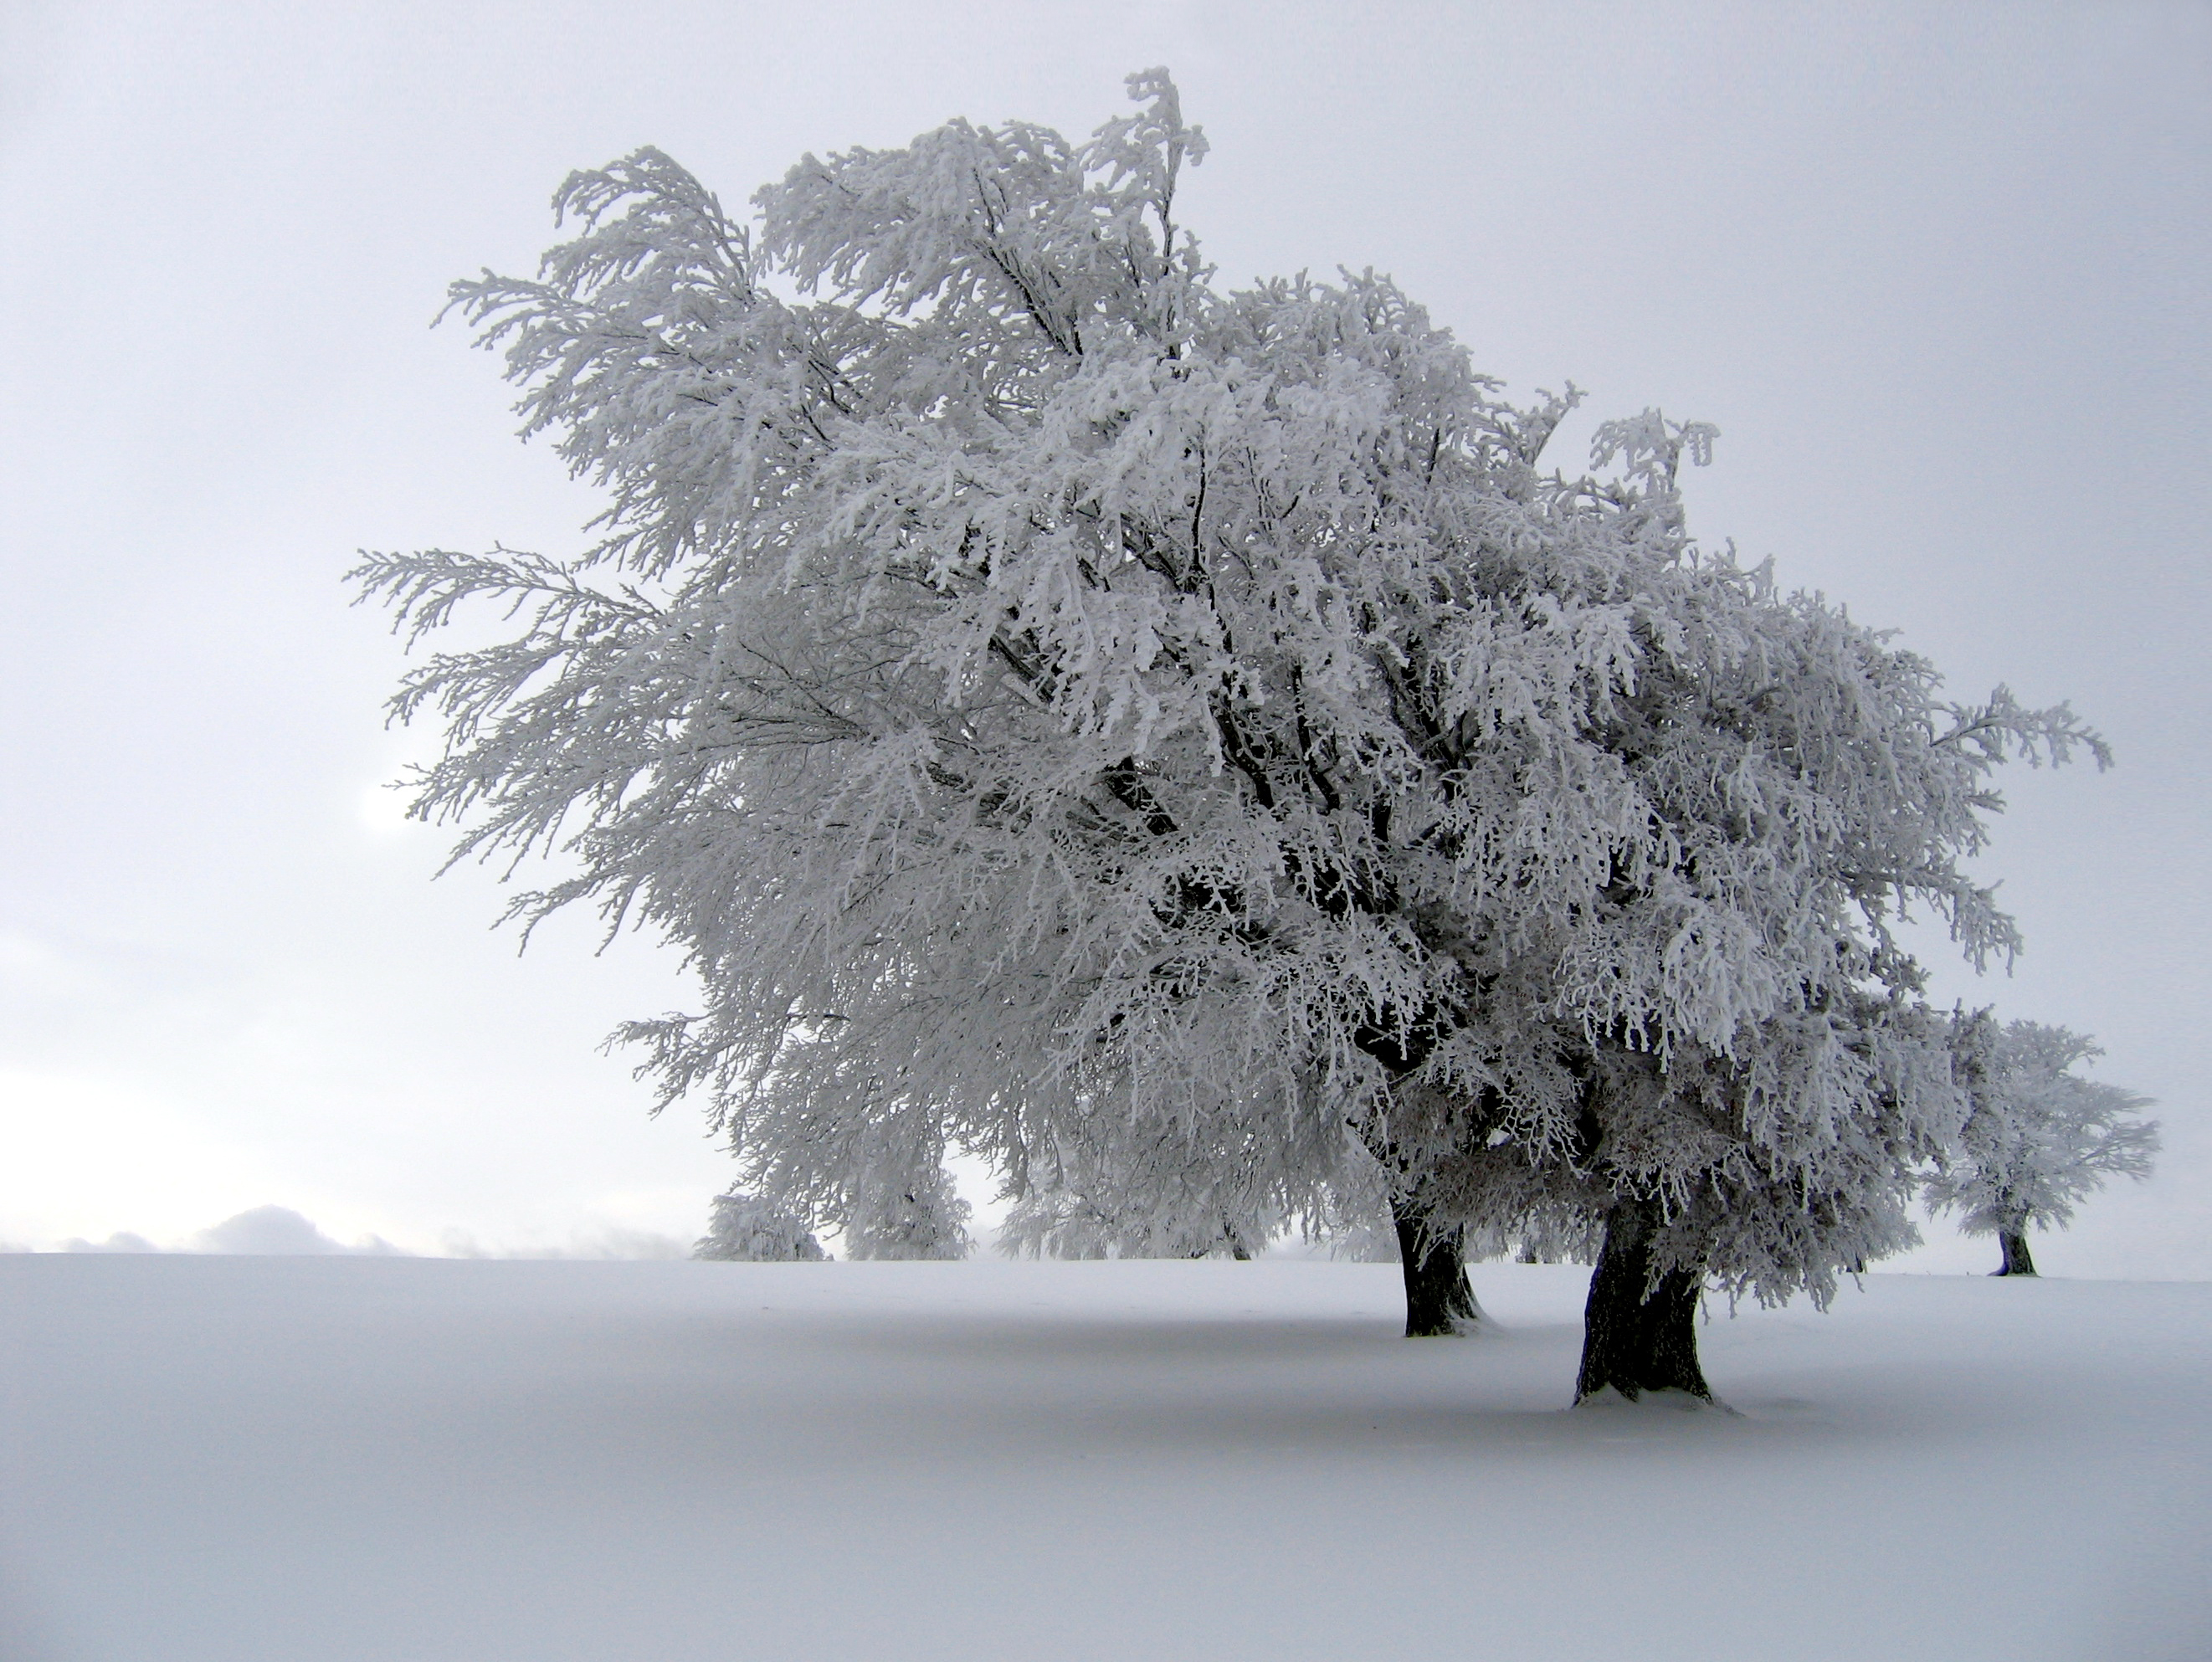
[409, 1460]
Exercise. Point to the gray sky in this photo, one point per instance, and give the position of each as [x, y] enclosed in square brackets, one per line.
[1938, 274]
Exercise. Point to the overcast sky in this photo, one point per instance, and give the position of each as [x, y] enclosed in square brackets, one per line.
[1938, 274]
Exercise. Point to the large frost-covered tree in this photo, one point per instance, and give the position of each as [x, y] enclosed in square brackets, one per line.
[2038, 1136]
[1181, 746]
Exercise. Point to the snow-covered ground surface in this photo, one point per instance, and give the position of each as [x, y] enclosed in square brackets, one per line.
[409, 1460]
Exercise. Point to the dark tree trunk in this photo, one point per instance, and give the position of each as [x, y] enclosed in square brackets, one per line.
[1632, 1343]
[2016, 1260]
[1439, 1299]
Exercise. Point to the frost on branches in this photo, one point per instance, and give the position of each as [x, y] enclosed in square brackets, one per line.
[2037, 1136]
[1181, 746]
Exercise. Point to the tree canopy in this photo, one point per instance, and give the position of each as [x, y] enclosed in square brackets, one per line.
[1181, 745]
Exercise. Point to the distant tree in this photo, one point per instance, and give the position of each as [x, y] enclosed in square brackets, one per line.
[896, 1200]
[1180, 747]
[2038, 1136]
[746, 1229]
[1124, 1192]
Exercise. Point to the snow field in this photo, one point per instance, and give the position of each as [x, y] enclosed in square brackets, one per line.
[231, 1460]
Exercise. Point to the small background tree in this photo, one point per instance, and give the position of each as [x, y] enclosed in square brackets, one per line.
[2038, 1138]
[912, 1214]
[748, 1228]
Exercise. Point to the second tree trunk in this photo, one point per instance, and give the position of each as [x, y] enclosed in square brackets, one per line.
[1639, 1335]
[1439, 1299]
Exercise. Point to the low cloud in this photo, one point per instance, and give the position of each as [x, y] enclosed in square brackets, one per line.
[121, 1241]
[280, 1232]
[605, 1242]
[262, 1231]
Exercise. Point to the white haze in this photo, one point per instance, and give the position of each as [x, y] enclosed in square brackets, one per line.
[280, 1232]
[1935, 276]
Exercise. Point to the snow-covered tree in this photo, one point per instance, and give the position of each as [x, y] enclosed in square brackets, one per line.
[895, 1199]
[1123, 1190]
[747, 1229]
[2037, 1136]
[1182, 747]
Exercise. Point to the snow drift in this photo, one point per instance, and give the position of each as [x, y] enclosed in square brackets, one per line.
[341, 1458]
